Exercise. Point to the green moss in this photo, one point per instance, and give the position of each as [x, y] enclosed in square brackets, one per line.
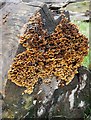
[87, 114]
[84, 29]
[28, 102]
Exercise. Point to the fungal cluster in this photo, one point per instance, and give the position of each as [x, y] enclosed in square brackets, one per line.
[58, 54]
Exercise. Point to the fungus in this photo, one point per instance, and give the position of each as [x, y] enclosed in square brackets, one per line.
[58, 54]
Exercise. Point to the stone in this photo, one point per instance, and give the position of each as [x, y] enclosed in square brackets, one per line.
[14, 16]
[71, 101]
[2, 4]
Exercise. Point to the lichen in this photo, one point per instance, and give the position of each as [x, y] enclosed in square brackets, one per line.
[58, 54]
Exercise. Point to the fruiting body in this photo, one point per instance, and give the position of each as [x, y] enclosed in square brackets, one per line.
[58, 54]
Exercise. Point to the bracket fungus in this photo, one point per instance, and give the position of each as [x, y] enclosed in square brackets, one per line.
[58, 54]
